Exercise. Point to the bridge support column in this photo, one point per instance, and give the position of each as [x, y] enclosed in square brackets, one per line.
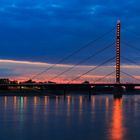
[118, 91]
[130, 88]
[90, 92]
[118, 53]
[20, 88]
[64, 90]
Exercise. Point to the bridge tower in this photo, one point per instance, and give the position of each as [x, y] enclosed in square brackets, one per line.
[118, 52]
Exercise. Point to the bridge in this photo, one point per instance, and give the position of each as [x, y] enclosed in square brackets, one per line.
[98, 83]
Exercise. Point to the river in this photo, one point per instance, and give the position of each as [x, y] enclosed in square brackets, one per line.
[73, 117]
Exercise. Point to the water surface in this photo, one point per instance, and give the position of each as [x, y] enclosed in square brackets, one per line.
[70, 118]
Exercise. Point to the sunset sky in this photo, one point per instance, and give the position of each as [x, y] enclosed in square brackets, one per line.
[35, 34]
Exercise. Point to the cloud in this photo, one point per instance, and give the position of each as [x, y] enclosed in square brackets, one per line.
[45, 31]
[24, 70]
[7, 72]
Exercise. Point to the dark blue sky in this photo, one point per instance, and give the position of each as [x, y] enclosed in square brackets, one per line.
[46, 30]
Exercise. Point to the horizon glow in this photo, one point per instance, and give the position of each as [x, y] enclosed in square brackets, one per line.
[23, 70]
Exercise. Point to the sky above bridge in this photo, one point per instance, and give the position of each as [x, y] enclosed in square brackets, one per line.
[44, 31]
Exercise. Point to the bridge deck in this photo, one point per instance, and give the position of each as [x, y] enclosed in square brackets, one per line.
[93, 84]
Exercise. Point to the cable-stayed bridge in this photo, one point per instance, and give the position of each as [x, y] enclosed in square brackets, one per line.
[117, 73]
[115, 58]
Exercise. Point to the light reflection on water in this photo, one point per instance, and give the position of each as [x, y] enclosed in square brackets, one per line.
[70, 117]
[117, 129]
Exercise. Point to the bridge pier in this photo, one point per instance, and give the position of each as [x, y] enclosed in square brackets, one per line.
[90, 92]
[118, 90]
[64, 91]
[20, 88]
[129, 88]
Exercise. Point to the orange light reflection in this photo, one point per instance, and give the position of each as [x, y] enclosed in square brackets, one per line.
[15, 103]
[25, 102]
[80, 108]
[68, 104]
[5, 102]
[117, 129]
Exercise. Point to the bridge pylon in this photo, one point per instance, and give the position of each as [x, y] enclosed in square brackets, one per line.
[118, 52]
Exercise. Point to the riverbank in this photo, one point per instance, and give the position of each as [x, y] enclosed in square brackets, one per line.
[35, 92]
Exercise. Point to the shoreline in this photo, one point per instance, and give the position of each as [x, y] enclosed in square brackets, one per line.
[62, 92]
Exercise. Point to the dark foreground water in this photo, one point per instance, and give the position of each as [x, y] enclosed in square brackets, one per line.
[70, 118]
